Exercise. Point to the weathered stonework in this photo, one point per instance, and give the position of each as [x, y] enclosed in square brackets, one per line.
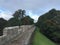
[9, 33]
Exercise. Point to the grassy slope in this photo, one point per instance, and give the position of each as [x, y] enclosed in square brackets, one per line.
[40, 39]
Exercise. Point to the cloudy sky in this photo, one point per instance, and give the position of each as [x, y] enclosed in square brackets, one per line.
[34, 8]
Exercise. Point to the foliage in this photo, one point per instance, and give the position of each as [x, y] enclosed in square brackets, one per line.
[17, 16]
[2, 25]
[20, 18]
[13, 22]
[27, 21]
[49, 24]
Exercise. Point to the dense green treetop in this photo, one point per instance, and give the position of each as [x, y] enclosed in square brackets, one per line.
[49, 23]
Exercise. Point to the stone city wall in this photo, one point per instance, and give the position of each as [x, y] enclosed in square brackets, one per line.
[9, 33]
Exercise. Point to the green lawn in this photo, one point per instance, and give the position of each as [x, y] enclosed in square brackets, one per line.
[40, 39]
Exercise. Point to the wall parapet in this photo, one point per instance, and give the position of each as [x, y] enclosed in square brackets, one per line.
[9, 33]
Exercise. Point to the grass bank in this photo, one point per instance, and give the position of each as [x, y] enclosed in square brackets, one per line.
[40, 39]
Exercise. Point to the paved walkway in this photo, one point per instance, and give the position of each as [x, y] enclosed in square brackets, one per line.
[24, 38]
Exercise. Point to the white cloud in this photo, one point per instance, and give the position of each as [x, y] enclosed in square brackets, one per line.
[34, 16]
[5, 14]
[37, 6]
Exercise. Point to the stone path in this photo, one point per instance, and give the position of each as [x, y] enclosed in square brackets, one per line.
[24, 38]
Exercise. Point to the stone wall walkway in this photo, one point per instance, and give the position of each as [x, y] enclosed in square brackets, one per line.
[23, 39]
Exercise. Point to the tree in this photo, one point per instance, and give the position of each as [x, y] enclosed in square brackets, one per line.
[49, 24]
[17, 16]
[13, 22]
[3, 24]
[27, 21]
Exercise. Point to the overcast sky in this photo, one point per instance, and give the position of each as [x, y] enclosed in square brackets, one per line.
[33, 7]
